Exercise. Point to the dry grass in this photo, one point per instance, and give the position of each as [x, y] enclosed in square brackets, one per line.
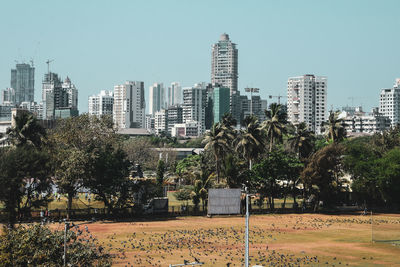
[278, 240]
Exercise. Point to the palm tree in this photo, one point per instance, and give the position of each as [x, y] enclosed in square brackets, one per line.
[218, 140]
[274, 125]
[334, 128]
[302, 141]
[26, 130]
[250, 140]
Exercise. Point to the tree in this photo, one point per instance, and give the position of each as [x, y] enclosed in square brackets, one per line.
[334, 128]
[250, 140]
[24, 177]
[73, 166]
[160, 177]
[27, 131]
[302, 141]
[109, 178]
[323, 174]
[37, 245]
[76, 144]
[184, 194]
[217, 140]
[141, 151]
[274, 125]
[267, 173]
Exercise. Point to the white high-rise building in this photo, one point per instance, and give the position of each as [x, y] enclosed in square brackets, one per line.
[160, 121]
[101, 104]
[389, 104]
[224, 64]
[307, 98]
[174, 94]
[194, 104]
[129, 105]
[156, 98]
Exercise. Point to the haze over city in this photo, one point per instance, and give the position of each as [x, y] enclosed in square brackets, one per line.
[99, 44]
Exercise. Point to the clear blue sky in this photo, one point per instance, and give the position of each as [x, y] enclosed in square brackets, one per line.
[102, 43]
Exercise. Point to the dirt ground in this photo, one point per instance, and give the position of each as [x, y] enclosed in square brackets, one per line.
[275, 240]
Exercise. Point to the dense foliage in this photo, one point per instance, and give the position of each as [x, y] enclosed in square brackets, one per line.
[37, 245]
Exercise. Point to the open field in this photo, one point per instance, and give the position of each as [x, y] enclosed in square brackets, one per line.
[275, 240]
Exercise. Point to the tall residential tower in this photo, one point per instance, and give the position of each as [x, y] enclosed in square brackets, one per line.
[129, 105]
[224, 64]
[389, 104]
[307, 96]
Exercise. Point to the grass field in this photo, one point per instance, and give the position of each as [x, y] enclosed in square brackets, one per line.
[275, 240]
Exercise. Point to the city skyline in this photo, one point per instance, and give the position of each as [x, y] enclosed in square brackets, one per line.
[354, 44]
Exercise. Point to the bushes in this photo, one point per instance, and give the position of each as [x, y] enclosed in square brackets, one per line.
[37, 245]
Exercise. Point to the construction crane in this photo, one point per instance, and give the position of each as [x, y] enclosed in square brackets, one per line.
[277, 96]
[48, 65]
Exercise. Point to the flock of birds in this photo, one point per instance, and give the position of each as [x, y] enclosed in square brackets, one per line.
[222, 246]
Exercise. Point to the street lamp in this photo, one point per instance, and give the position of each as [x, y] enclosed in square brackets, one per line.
[251, 90]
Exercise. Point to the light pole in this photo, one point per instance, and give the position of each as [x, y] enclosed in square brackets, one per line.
[251, 90]
[246, 260]
[65, 241]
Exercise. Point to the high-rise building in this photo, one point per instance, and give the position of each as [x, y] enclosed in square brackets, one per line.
[156, 98]
[129, 105]
[161, 121]
[59, 99]
[307, 97]
[52, 95]
[72, 93]
[23, 83]
[221, 100]
[101, 104]
[224, 64]
[174, 116]
[174, 94]
[8, 97]
[194, 104]
[389, 104]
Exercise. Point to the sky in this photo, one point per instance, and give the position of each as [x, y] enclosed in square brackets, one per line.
[99, 44]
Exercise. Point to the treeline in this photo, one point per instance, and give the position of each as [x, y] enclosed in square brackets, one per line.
[80, 153]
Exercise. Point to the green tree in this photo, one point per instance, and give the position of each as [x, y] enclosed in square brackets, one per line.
[24, 176]
[250, 140]
[141, 151]
[37, 245]
[334, 128]
[274, 126]
[323, 174]
[184, 194]
[26, 131]
[302, 141]
[218, 140]
[160, 177]
[109, 178]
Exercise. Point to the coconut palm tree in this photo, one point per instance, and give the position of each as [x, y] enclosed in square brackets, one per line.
[274, 126]
[302, 141]
[26, 130]
[218, 140]
[334, 128]
[250, 141]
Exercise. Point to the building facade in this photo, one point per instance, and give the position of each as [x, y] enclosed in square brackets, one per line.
[156, 98]
[307, 98]
[129, 105]
[224, 64]
[361, 122]
[221, 100]
[161, 122]
[389, 104]
[194, 104]
[23, 83]
[174, 116]
[174, 94]
[101, 104]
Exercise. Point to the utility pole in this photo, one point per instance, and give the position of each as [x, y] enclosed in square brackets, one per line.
[66, 227]
[246, 260]
[251, 90]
